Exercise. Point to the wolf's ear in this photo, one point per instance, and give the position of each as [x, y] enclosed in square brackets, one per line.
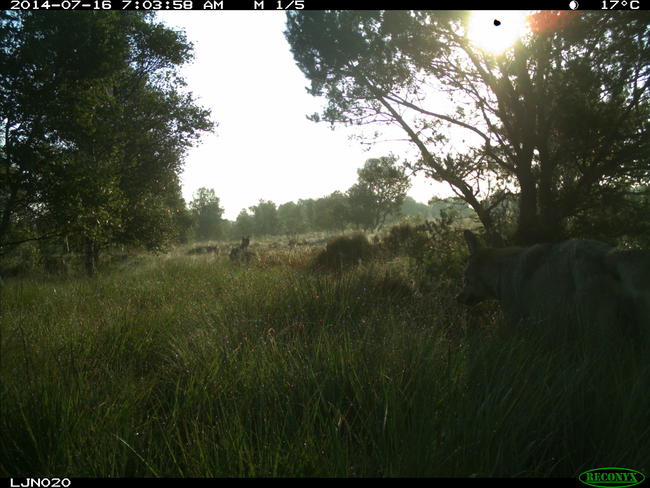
[472, 241]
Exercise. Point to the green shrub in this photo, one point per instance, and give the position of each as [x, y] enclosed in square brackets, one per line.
[344, 252]
[401, 239]
[436, 250]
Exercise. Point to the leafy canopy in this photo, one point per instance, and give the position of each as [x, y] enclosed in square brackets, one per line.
[560, 120]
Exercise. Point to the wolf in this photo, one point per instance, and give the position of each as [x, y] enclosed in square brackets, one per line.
[241, 252]
[632, 269]
[579, 281]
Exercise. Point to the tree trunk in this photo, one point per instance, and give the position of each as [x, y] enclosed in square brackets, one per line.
[550, 219]
[527, 225]
[550, 215]
[5, 220]
[91, 256]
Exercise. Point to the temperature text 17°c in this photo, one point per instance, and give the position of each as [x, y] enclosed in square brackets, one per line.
[619, 4]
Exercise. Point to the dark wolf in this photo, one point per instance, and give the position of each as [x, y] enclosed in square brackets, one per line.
[578, 281]
[241, 252]
[632, 269]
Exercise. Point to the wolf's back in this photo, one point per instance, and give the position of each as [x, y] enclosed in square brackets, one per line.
[563, 281]
[631, 267]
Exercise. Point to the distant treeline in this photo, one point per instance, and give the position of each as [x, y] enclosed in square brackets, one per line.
[331, 213]
[376, 199]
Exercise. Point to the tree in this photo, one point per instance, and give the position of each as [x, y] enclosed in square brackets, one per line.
[411, 208]
[265, 218]
[95, 127]
[291, 218]
[207, 214]
[244, 225]
[560, 120]
[308, 210]
[451, 206]
[331, 212]
[363, 206]
[380, 192]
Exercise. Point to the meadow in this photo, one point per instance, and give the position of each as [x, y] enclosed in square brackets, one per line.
[184, 365]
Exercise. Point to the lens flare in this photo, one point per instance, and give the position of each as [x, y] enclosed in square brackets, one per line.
[496, 30]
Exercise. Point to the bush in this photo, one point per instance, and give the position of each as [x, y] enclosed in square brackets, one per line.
[436, 250]
[19, 261]
[404, 239]
[344, 252]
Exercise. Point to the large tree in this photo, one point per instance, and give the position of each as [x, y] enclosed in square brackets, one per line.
[95, 125]
[560, 119]
[207, 213]
[379, 192]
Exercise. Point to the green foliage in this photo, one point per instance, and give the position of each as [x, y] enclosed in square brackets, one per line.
[411, 208]
[207, 214]
[620, 218]
[20, 260]
[436, 250]
[95, 128]
[337, 212]
[265, 218]
[330, 213]
[291, 218]
[380, 192]
[243, 226]
[400, 239]
[363, 207]
[453, 206]
[562, 116]
[344, 252]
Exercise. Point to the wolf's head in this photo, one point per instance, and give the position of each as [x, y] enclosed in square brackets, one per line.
[478, 274]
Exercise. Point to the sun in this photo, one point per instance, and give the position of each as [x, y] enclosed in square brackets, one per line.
[496, 30]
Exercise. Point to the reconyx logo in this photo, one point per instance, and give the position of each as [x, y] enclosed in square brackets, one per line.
[611, 477]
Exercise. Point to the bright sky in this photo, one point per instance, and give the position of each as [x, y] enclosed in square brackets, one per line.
[496, 30]
[264, 147]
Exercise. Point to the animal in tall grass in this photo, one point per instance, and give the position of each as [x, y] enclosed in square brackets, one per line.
[632, 267]
[241, 252]
[582, 282]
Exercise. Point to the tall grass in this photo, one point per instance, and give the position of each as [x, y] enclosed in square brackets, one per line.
[191, 366]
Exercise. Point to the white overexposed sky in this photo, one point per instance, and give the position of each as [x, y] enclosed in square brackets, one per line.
[264, 147]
